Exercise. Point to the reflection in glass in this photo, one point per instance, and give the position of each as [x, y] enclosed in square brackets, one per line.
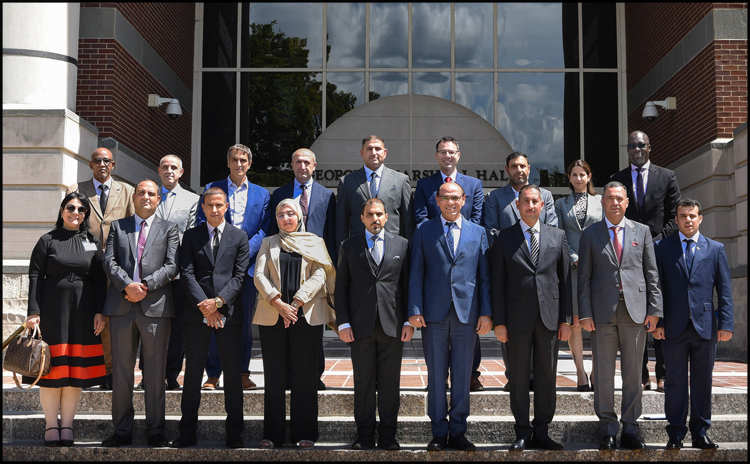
[473, 35]
[474, 91]
[220, 35]
[282, 35]
[217, 123]
[433, 84]
[431, 37]
[389, 35]
[536, 35]
[599, 35]
[600, 125]
[279, 112]
[383, 84]
[344, 92]
[346, 35]
[530, 115]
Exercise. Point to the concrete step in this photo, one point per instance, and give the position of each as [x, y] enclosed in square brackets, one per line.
[341, 402]
[416, 429]
[326, 452]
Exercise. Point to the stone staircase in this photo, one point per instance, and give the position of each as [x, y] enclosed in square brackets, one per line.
[490, 427]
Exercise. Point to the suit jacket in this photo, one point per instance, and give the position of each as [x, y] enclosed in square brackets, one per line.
[159, 264]
[312, 289]
[522, 291]
[600, 274]
[352, 192]
[321, 214]
[205, 277]
[566, 219]
[660, 202]
[365, 291]
[256, 220]
[119, 205]
[500, 210]
[181, 210]
[436, 280]
[690, 294]
[425, 206]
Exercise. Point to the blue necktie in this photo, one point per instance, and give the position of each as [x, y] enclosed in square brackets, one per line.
[374, 185]
[449, 238]
[688, 254]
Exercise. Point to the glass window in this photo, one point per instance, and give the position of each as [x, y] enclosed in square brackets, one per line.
[344, 92]
[431, 38]
[389, 39]
[282, 35]
[220, 35]
[474, 35]
[530, 112]
[279, 113]
[600, 125]
[433, 84]
[537, 35]
[218, 123]
[346, 35]
[474, 91]
[385, 84]
[599, 35]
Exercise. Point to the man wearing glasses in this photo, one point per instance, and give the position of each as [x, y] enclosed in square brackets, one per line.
[110, 201]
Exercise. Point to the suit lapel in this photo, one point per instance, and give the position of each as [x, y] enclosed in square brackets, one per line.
[114, 194]
[603, 233]
[387, 252]
[676, 247]
[593, 206]
[132, 236]
[361, 180]
[570, 205]
[628, 238]
[88, 189]
[222, 244]
[275, 251]
[156, 227]
[440, 231]
[204, 237]
[701, 249]
[385, 182]
[511, 199]
[653, 181]
[364, 255]
[520, 238]
[315, 194]
[463, 238]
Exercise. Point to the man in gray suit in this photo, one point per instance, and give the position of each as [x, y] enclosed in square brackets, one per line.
[374, 180]
[140, 261]
[619, 301]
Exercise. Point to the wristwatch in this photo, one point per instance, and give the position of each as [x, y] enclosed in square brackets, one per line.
[219, 302]
[295, 305]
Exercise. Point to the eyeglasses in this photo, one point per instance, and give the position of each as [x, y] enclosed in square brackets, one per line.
[288, 214]
[633, 146]
[450, 197]
[72, 209]
[447, 153]
[104, 161]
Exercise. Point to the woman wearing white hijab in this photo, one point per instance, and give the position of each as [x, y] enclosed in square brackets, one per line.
[293, 275]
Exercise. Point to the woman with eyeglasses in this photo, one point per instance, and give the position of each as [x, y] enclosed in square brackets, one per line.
[67, 289]
[574, 213]
[293, 275]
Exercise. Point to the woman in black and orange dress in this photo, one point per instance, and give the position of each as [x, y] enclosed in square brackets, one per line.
[67, 288]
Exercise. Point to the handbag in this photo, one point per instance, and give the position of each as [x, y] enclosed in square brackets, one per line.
[28, 356]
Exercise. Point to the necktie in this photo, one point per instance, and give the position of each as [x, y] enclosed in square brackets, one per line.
[640, 188]
[215, 243]
[374, 185]
[103, 197]
[141, 244]
[448, 179]
[533, 246]
[449, 238]
[303, 203]
[374, 251]
[616, 242]
[688, 254]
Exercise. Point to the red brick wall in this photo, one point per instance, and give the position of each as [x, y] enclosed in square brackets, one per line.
[731, 85]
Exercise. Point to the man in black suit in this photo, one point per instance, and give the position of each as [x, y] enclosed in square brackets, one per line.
[532, 307]
[214, 258]
[653, 194]
[372, 284]
[318, 206]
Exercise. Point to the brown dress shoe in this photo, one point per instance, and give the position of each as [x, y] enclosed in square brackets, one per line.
[247, 384]
[212, 383]
[660, 385]
[475, 384]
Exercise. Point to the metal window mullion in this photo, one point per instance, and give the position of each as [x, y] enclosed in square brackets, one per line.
[622, 115]
[409, 51]
[237, 90]
[580, 82]
[324, 80]
[453, 52]
[367, 52]
[195, 146]
[495, 63]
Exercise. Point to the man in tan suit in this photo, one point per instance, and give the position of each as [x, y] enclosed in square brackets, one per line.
[115, 202]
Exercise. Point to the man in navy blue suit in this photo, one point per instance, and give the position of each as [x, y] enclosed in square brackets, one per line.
[248, 210]
[318, 206]
[425, 208]
[449, 295]
[691, 266]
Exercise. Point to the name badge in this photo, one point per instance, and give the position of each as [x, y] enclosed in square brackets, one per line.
[88, 246]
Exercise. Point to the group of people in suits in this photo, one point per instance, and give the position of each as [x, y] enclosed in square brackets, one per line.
[448, 262]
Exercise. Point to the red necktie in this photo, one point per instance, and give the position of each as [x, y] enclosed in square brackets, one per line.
[448, 179]
[141, 244]
[618, 245]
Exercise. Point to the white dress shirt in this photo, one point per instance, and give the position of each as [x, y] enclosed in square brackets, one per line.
[237, 201]
[149, 223]
[452, 176]
[211, 231]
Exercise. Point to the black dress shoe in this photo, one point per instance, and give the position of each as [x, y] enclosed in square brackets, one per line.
[364, 443]
[475, 385]
[459, 442]
[388, 444]
[674, 444]
[518, 445]
[157, 441]
[235, 442]
[704, 443]
[607, 443]
[506, 387]
[437, 444]
[173, 385]
[531, 385]
[631, 441]
[65, 442]
[52, 443]
[545, 442]
[321, 385]
[183, 442]
[117, 440]
[107, 383]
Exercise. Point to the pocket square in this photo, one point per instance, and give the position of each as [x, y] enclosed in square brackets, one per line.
[397, 257]
[636, 243]
[393, 187]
